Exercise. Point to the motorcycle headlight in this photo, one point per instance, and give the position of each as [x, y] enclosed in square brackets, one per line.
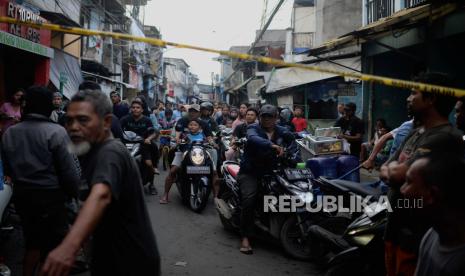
[362, 239]
[197, 156]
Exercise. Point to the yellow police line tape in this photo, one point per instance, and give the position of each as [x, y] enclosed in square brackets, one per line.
[276, 62]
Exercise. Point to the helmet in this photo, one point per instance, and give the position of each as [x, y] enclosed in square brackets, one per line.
[206, 105]
[268, 109]
[285, 115]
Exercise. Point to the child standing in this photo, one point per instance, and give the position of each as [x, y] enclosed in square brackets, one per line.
[299, 122]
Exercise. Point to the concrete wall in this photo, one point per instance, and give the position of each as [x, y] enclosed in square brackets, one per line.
[59, 40]
[73, 49]
[336, 17]
[304, 20]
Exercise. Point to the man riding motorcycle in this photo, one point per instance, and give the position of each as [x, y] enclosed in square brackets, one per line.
[168, 120]
[285, 119]
[265, 141]
[141, 125]
[206, 111]
[241, 132]
[182, 128]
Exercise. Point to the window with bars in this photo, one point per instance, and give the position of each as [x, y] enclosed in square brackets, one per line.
[413, 3]
[377, 9]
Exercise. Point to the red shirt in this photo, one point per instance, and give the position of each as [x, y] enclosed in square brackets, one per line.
[300, 124]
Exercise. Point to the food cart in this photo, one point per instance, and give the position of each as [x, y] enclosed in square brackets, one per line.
[325, 141]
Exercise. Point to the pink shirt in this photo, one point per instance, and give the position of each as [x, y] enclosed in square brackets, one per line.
[9, 110]
[237, 122]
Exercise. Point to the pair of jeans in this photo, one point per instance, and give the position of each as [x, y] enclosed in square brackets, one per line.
[149, 152]
[43, 218]
[248, 185]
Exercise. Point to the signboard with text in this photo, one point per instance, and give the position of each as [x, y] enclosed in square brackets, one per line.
[19, 12]
[26, 45]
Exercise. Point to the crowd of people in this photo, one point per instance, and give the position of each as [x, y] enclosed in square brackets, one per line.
[53, 154]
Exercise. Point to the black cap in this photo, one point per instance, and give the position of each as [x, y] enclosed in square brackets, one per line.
[268, 109]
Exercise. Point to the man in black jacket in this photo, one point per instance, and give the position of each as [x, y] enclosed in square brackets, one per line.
[44, 174]
[265, 141]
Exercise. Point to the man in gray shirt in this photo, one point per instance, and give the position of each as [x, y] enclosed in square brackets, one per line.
[44, 174]
[436, 179]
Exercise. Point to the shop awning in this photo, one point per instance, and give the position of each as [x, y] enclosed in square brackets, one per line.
[58, 18]
[127, 85]
[65, 69]
[290, 77]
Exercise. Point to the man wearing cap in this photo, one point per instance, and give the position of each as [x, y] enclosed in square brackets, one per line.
[182, 128]
[265, 142]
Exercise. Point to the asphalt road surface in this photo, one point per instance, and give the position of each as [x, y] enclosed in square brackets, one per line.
[194, 244]
[197, 244]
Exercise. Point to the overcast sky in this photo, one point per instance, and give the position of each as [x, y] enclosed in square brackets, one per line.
[217, 24]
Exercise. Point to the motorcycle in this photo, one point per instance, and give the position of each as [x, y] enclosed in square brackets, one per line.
[226, 137]
[328, 228]
[194, 179]
[223, 138]
[289, 228]
[166, 142]
[360, 249]
[133, 143]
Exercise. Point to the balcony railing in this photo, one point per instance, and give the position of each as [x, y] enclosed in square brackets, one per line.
[377, 9]
[413, 3]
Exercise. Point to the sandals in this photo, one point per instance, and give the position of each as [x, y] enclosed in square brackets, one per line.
[163, 201]
[246, 250]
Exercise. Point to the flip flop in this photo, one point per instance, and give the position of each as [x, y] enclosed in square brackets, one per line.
[246, 250]
[162, 201]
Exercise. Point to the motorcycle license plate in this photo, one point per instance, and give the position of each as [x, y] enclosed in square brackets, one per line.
[298, 174]
[198, 170]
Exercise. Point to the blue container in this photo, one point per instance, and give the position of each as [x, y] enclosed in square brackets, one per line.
[165, 141]
[323, 166]
[346, 163]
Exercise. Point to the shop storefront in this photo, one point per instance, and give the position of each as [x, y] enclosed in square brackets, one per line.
[25, 52]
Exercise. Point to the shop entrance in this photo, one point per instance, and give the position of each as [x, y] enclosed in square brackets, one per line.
[17, 70]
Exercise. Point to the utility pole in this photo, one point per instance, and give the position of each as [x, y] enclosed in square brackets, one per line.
[259, 37]
[213, 87]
